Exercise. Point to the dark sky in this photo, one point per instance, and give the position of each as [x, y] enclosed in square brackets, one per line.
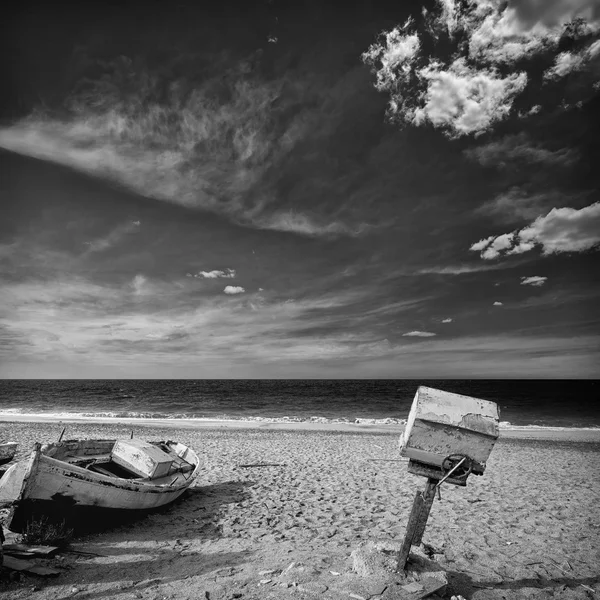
[237, 190]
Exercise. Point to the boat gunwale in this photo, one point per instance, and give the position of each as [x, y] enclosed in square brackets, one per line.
[133, 485]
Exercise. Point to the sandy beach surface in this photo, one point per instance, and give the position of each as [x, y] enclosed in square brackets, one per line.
[528, 528]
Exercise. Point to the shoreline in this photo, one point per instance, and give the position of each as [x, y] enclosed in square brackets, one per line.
[515, 432]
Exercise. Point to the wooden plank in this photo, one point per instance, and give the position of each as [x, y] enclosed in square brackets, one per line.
[411, 527]
[262, 465]
[417, 521]
[416, 590]
[98, 469]
[87, 458]
[26, 566]
[17, 564]
[428, 498]
[44, 571]
[23, 549]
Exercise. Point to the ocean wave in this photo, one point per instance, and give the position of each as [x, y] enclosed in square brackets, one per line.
[194, 417]
[506, 425]
[119, 415]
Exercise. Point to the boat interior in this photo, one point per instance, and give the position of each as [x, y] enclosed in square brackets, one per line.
[97, 457]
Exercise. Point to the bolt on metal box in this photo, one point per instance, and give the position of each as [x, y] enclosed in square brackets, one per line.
[441, 424]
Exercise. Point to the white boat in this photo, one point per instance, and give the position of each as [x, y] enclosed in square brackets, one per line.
[7, 451]
[70, 479]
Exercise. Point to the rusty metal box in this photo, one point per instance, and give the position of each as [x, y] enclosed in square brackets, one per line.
[441, 424]
[141, 458]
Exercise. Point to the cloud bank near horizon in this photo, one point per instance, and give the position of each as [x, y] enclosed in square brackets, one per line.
[74, 321]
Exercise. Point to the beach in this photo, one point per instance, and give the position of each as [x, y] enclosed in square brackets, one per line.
[528, 528]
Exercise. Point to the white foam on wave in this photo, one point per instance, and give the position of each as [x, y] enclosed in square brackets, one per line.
[508, 426]
[182, 416]
[115, 416]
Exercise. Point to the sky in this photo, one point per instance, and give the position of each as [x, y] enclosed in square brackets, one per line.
[284, 189]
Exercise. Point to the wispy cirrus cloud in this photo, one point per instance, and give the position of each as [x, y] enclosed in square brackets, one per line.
[139, 284]
[422, 334]
[562, 230]
[73, 319]
[534, 280]
[513, 205]
[519, 204]
[524, 355]
[511, 151]
[459, 269]
[50, 325]
[206, 141]
[295, 222]
[113, 237]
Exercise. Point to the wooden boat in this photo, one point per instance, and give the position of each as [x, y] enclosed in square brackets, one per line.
[7, 451]
[68, 480]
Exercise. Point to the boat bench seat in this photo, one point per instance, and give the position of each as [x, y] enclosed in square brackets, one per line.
[87, 459]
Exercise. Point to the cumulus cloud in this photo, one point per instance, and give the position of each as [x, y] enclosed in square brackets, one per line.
[534, 280]
[465, 100]
[561, 230]
[234, 289]
[394, 53]
[568, 62]
[215, 274]
[465, 91]
[423, 334]
[497, 245]
[498, 303]
[448, 320]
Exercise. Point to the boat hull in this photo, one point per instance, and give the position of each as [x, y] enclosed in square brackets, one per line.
[55, 489]
[78, 518]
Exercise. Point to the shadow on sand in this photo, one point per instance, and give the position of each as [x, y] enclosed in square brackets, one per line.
[463, 584]
[136, 552]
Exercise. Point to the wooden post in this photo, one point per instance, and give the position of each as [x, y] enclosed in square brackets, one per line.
[417, 521]
[428, 498]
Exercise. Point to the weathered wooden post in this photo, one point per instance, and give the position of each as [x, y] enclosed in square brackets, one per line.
[447, 437]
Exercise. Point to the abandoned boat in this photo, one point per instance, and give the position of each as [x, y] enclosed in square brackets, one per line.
[7, 451]
[68, 480]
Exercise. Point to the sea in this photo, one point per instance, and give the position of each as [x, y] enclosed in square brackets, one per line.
[523, 403]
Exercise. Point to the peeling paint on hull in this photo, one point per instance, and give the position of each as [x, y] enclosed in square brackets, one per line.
[61, 487]
[83, 519]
